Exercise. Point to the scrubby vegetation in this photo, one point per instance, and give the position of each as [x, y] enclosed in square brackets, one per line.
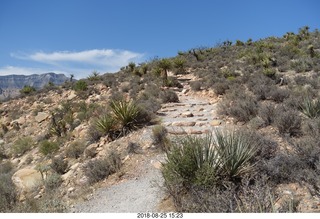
[268, 89]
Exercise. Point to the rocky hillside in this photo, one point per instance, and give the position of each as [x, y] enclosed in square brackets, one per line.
[11, 84]
[58, 145]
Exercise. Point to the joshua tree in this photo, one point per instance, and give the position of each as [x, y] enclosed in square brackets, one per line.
[165, 65]
[71, 77]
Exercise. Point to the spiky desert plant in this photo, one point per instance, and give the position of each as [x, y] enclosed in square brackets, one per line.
[165, 65]
[192, 160]
[125, 113]
[311, 108]
[104, 124]
[236, 149]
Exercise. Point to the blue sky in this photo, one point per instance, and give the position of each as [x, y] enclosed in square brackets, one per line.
[80, 36]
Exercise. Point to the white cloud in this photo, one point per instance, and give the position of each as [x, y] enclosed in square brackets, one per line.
[107, 59]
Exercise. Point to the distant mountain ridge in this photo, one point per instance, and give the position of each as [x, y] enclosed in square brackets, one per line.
[35, 80]
[11, 84]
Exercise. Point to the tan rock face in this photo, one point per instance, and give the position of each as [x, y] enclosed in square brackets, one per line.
[41, 116]
[26, 179]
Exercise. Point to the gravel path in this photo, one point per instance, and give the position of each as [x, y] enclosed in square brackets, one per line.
[140, 194]
[193, 115]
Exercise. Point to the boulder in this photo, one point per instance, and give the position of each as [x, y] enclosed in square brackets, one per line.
[183, 123]
[26, 179]
[216, 122]
[72, 95]
[187, 114]
[41, 116]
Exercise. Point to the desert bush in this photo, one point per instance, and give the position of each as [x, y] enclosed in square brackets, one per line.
[98, 169]
[93, 135]
[159, 137]
[8, 193]
[283, 168]
[261, 91]
[48, 147]
[308, 151]
[75, 149]
[59, 165]
[267, 113]
[250, 197]
[22, 145]
[27, 89]
[80, 85]
[6, 167]
[301, 65]
[278, 94]
[169, 96]
[287, 121]
[311, 128]
[220, 88]
[172, 82]
[195, 85]
[238, 105]
[52, 181]
[48, 203]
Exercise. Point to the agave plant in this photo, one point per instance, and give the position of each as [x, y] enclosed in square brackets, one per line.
[104, 124]
[311, 108]
[236, 149]
[126, 113]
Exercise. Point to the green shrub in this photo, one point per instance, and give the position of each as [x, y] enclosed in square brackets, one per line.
[195, 85]
[52, 181]
[22, 145]
[267, 113]
[287, 121]
[311, 108]
[169, 96]
[27, 89]
[48, 147]
[94, 76]
[220, 88]
[75, 149]
[239, 105]
[80, 85]
[210, 160]
[59, 165]
[159, 137]
[8, 193]
[98, 169]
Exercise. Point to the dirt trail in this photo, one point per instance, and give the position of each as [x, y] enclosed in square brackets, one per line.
[143, 193]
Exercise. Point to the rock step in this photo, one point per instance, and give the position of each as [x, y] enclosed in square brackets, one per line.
[215, 122]
[184, 131]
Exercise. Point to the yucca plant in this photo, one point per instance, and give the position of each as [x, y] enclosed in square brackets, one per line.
[125, 113]
[311, 108]
[236, 149]
[104, 124]
[192, 160]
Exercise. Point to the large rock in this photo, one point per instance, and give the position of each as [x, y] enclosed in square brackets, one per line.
[187, 114]
[26, 179]
[72, 95]
[41, 116]
[216, 122]
[182, 123]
